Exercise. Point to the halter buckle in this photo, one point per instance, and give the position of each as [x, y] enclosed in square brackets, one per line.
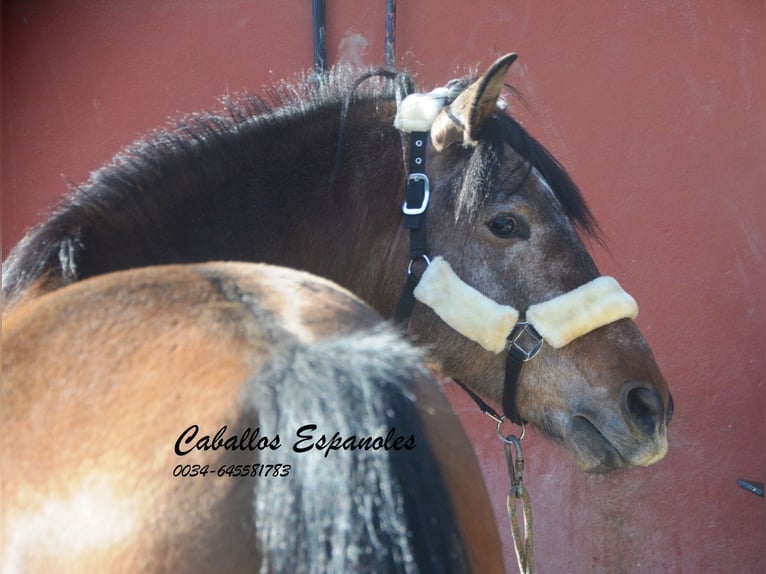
[525, 339]
[420, 209]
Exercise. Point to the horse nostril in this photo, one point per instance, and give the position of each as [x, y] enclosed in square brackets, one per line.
[644, 407]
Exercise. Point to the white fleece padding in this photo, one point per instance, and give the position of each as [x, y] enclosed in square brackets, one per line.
[417, 112]
[582, 310]
[463, 308]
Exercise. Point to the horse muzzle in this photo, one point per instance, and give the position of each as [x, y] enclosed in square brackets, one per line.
[634, 434]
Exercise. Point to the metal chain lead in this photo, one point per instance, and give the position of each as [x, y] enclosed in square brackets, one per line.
[517, 493]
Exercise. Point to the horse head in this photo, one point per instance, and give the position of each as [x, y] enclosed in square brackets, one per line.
[504, 215]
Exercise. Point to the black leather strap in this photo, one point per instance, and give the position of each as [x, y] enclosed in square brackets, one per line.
[481, 403]
[513, 363]
[417, 194]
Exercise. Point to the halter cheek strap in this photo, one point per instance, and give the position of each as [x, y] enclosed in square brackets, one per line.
[414, 115]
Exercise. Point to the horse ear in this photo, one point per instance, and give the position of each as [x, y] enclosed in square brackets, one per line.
[464, 119]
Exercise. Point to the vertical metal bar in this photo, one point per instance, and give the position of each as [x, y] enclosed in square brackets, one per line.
[390, 32]
[320, 37]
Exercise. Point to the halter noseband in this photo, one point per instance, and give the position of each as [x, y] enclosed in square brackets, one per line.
[494, 326]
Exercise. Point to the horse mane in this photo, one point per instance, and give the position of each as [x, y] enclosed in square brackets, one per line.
[167, 171]
[352, 511]
[564, 188]
[166, 167]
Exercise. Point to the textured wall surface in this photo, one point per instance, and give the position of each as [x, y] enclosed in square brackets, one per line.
[656, 108]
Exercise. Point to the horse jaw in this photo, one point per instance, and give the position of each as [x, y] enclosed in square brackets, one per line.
[605, 426]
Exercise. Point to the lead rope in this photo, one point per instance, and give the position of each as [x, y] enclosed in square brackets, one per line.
[517, 493]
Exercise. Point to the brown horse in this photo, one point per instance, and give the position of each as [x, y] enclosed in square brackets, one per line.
[224, 418]
[315, 182]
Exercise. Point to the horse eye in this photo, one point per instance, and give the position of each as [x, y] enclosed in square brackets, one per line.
[504, 225]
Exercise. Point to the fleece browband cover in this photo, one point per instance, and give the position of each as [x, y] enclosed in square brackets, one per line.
[488, 323]
[463, 308]
[417, 112]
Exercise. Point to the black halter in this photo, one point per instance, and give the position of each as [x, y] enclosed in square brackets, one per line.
[523, 343]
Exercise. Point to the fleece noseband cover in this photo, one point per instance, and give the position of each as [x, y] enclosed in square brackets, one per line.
[559, 321]
[580, 311]
[463, 308]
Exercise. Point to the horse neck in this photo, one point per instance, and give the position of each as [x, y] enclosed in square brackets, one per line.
[363, 242]
[280, 195]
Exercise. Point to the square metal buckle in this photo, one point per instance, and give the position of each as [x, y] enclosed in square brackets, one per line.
[406, 209]
[525, 339]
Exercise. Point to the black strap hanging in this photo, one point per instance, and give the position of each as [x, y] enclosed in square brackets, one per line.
[320, 37]
[513, 363]
[524, 342]
[390, 33]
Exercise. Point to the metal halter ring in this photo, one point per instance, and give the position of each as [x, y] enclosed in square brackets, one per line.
[509, 439]
[423, 257]
[525, 339]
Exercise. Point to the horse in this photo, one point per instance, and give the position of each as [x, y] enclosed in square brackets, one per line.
[311, 177]
[229, 417]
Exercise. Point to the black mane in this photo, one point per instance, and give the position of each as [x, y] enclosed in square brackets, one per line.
[171, 171]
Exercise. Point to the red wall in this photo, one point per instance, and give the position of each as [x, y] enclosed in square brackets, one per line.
[657, 109]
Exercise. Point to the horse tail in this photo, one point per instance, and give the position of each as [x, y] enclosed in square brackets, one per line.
[359, 510]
